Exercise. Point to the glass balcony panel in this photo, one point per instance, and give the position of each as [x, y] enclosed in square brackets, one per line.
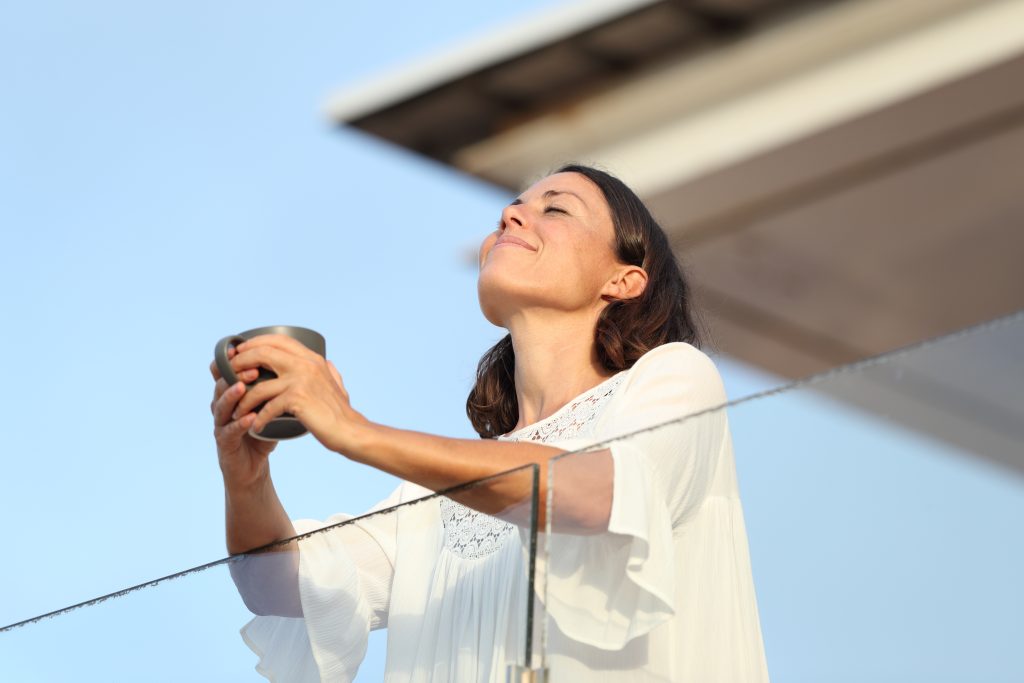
[334, 601]
[880, 504]
[879, 510]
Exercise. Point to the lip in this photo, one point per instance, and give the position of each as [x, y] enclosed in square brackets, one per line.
[512, 240]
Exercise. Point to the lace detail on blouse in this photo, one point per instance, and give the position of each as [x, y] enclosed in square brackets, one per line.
[573, 420]
[471, 534]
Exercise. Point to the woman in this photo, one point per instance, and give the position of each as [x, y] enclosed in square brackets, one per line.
[648, 576]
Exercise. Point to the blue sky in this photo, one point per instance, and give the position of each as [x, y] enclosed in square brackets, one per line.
[167, 178]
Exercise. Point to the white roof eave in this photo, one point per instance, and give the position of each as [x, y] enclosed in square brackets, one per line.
[355, 101]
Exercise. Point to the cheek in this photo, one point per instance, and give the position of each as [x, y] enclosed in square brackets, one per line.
[591, 262]
[587, 254]
[485, 247]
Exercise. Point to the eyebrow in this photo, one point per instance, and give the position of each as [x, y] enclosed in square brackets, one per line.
[550, 193]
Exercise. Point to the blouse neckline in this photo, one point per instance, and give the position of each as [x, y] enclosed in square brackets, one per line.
[574, 400]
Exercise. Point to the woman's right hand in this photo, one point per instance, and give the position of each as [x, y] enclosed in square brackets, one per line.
[243, 459]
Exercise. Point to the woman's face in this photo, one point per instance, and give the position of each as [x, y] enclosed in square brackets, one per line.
[553, 249]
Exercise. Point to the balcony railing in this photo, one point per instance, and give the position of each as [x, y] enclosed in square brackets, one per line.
[877, 508]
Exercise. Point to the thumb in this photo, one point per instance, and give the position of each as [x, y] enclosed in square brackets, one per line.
[337, 378]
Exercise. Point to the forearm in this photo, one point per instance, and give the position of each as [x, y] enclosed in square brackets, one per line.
[254, 517]
[268, 581]
[438, 463]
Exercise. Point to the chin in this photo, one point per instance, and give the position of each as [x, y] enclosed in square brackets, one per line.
[501, 293]
[492, 317]
[489, 297]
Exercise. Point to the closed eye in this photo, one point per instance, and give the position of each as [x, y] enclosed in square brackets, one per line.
[555, 209]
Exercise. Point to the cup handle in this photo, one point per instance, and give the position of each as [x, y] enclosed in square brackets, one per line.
[220, 355]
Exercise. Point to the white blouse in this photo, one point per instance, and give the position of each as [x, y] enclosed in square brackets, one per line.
[666, 594]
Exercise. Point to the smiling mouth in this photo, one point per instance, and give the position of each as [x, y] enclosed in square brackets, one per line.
[514, 242]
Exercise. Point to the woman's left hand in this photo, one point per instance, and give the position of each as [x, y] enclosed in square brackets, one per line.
[307, 385]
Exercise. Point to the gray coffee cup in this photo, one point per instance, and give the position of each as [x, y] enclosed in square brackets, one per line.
[285, 426]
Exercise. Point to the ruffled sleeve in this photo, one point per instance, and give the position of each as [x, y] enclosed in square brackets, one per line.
[344, 580]
[606, 589]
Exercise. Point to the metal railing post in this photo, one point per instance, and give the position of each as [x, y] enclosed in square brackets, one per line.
[518, 673]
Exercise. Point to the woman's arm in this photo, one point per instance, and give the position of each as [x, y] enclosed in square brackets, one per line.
[438, 462]
[309, 387]
[254, 515]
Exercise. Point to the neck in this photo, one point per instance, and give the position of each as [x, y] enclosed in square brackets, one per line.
[556, 360]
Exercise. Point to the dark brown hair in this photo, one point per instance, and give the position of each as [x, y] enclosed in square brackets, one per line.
[626, 328]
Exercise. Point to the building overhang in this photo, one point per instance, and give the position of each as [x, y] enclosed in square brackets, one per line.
[840, 179]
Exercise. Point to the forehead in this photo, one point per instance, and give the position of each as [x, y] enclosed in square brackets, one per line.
[574, 183]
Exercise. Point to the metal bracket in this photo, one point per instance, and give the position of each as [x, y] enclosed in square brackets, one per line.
[521, 674]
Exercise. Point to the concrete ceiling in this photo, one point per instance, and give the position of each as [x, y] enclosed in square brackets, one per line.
[440, 108]
[893, 228]
[875, 235]
[839, 179]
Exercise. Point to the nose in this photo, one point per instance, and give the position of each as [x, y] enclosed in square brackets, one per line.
[511, 215]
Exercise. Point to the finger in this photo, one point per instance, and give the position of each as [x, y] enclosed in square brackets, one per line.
[282, 342]
[257, 395]
[214, 370]
[245, 376]
[224, 406]
[275, 408]
[248, 376]
[218, 390]
[268, 357]
[230, 434]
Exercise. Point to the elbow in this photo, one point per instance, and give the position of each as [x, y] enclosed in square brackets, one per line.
[582, 518]
[261, 607]
[268, 583]
[581, 499]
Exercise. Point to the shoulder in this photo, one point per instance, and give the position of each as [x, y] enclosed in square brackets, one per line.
[676, 371]
[677, 358]
[675, 352]
[668, 382]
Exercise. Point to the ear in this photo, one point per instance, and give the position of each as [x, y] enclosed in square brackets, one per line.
[629, 282]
